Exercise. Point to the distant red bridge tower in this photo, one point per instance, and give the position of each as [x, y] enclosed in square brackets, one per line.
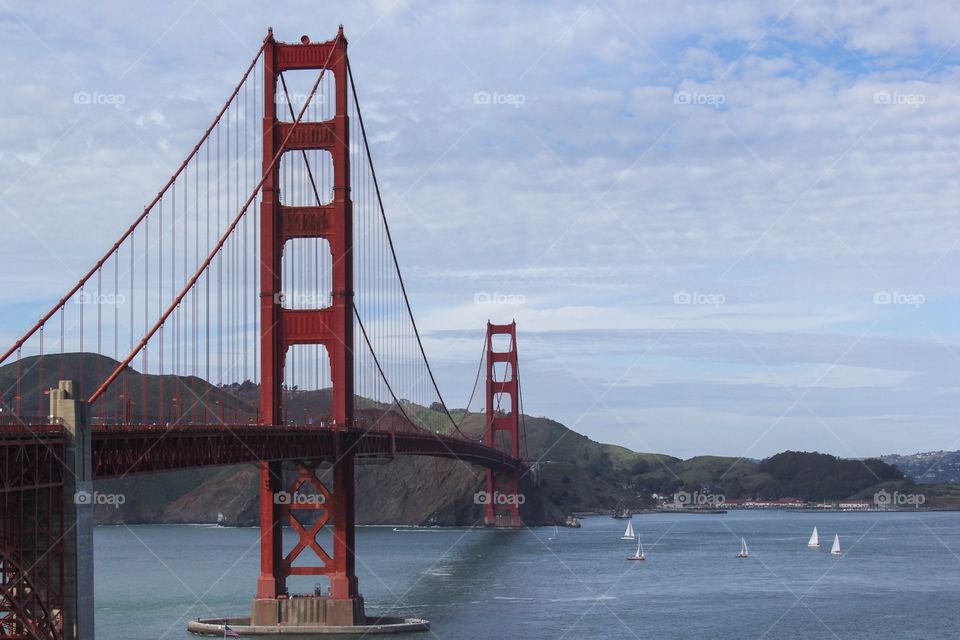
[503, 419]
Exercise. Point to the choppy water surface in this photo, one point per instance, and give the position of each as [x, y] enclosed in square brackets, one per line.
[899, 577]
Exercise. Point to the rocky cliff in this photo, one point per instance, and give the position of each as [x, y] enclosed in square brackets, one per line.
[404, 491]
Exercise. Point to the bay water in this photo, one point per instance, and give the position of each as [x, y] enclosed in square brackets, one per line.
[898, 578]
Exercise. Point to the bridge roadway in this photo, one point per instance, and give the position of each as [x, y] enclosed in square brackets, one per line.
[120, 450]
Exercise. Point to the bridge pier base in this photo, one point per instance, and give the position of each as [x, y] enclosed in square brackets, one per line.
[308, 611]
[503, 501]
[78, 501]
[309, 505]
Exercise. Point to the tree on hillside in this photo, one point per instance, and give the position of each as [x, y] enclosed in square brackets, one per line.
[818, 476]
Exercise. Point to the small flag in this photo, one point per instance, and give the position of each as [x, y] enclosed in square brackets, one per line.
[229, 633]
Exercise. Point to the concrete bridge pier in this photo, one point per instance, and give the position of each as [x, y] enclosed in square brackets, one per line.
[78, 501]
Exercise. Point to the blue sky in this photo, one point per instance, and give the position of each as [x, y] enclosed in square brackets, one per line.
[724, 228]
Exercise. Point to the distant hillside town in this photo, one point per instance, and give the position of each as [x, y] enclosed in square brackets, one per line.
[932, 467]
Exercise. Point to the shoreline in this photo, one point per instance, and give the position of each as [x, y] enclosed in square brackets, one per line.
[416, 527]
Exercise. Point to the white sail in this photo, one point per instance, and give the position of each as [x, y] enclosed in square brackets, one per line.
[814, 539]
[744, 552]
[628, 534]
[835, 549]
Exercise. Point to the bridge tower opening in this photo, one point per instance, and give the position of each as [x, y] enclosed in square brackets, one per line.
[284, 327]
[503, 424]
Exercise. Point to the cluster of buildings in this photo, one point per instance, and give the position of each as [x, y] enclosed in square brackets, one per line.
[717, 501]
[795, 503]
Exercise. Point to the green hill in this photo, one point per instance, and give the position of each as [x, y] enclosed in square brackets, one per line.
[571, 472]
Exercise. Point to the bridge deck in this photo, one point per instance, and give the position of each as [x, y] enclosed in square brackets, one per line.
[130, 449]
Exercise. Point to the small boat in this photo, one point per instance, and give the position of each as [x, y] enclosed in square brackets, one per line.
[744, 552]
[639, 554]
[814, 539]
[556, 533]
[628, 534]
[621, 512]
[835, 549]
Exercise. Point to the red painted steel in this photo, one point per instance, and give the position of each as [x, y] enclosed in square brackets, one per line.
[503, 491]
[331, 327]
[28, 459]
[31, 532]
[24, 613]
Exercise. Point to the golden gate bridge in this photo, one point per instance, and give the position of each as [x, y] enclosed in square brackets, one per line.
[253, 312]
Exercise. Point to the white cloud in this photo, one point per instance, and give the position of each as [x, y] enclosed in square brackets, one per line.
[596, 199]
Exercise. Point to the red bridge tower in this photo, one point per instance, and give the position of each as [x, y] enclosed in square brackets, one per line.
[331, 327]
[503, 491]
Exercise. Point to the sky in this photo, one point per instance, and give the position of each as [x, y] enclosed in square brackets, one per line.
[722, 227]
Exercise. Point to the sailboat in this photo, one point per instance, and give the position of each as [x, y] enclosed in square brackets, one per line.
[835, 549]
[744, 552]
[628, 534]
[639, 554]
[814, 539]
[556, 533]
